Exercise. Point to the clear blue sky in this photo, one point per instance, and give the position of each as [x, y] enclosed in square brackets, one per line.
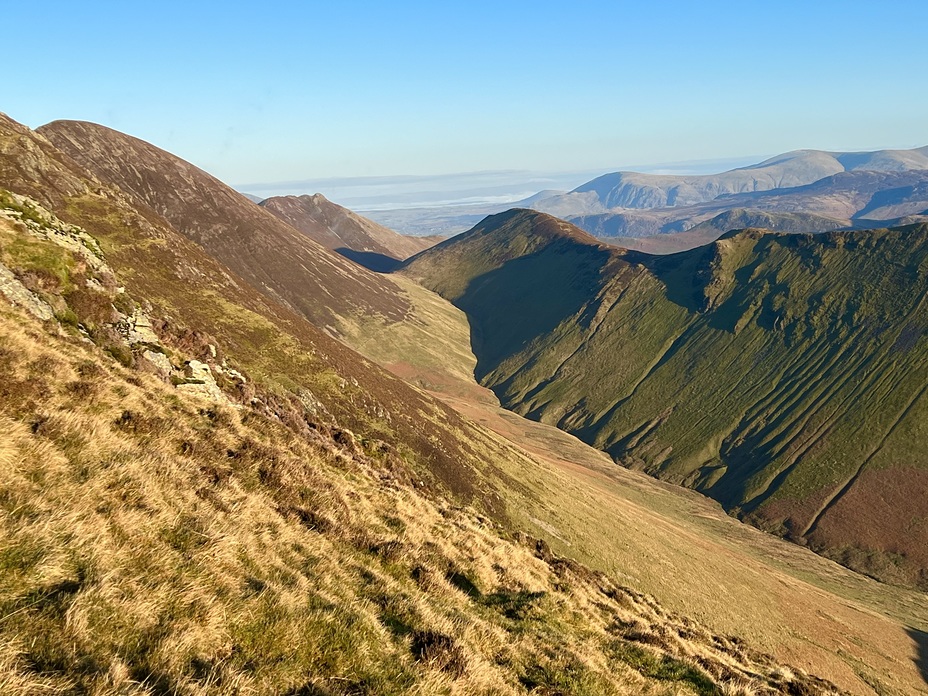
[293, 90]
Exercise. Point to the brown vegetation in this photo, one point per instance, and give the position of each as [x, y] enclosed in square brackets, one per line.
[156, 544]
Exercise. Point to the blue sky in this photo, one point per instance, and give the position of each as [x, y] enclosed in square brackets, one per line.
[288, 91]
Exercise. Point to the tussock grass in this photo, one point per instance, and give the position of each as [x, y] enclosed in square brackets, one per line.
[150, 544]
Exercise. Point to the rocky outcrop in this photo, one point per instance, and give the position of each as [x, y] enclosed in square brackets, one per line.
[139, 329]
[159, 361]
[19, 295]
[130, 328]
[198, 380]
[42, 223]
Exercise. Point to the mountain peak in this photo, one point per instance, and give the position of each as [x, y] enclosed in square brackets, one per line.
[342, 230]
[540, 225]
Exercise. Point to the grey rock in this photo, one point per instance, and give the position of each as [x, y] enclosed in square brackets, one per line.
[19, 295]
[203, 384]
[140, 330]
[159, 360]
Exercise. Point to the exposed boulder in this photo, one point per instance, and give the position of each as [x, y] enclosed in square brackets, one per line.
[199, 380]
[159, 361]
[19, 295]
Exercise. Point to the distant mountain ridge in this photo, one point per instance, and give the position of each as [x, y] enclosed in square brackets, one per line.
[857, 199]
[637, 190]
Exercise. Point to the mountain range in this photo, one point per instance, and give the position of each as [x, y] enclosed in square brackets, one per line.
[799, 168]
[806, 190]
[629, 208]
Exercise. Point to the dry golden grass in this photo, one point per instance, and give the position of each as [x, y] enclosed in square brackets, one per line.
[152, 544]
[430, 349]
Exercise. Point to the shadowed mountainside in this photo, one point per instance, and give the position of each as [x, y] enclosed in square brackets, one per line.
[350, 234]
[783, 375]
[271, 255]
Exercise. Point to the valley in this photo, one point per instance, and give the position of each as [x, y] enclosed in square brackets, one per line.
[679, 545]
[752, 369]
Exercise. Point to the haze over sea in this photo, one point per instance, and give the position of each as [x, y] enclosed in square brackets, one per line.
[373, 193]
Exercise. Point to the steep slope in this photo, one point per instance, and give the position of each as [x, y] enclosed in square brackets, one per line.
[339, 229]
[270, 254]
[299, 371]
[637, 190]
[662, 538]
[543, 253]
[783, 375]
[157, 539]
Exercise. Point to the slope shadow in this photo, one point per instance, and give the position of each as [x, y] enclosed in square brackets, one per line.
[527, 298]
[371, 260]
[921, 658]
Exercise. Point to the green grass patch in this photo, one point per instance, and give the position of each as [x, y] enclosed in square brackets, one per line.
[663, 667]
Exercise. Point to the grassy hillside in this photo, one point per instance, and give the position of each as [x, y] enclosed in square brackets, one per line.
[351, 235]
[192, 299]
[155, 543]
[288, 265]
[782, 375]
[663, 539]
[182, 514]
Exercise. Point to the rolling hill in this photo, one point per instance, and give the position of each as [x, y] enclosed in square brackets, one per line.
[783, 375]
[341, 230]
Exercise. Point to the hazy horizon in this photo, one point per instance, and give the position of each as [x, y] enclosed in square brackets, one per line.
[379, 193]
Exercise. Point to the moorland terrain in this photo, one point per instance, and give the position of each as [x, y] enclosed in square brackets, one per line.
[237, 461]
